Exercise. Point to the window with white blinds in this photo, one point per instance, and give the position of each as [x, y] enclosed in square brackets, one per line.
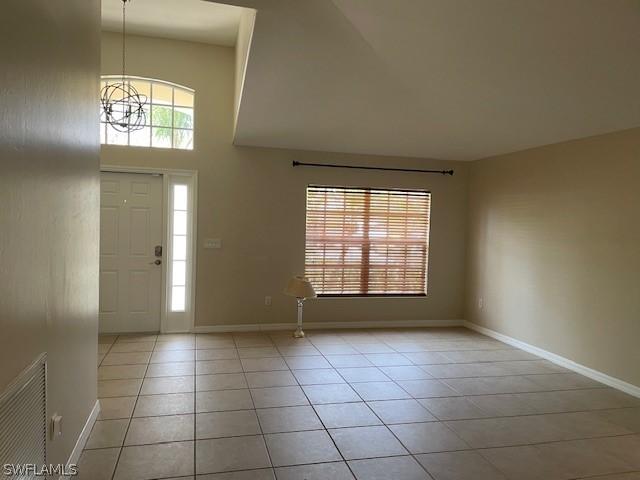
[362, 241]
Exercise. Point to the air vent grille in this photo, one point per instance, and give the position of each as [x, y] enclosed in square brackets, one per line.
[23, 419]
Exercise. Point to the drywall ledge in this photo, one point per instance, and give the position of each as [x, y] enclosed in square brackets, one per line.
[559, 360]
[259, 327]
[74, 458]
[243, 49]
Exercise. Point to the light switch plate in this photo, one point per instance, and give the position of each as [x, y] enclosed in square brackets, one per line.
[212, 243]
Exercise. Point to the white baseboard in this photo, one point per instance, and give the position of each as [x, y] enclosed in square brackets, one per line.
[559, 360]
[259, 327]
[83, 437]
[386, 324]
[244, 327]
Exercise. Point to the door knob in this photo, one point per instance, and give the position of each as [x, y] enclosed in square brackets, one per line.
[156, 262]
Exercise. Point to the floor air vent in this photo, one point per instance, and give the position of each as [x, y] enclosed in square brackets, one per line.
[23, 420]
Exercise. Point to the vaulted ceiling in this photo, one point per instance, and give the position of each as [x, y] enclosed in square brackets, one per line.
[193, 20]
[448, 79]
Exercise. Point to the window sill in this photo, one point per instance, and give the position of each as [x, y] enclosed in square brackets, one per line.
[373, 295]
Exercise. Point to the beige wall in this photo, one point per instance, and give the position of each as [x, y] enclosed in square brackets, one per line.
[49, 199]
[254, 200]
[554, 249]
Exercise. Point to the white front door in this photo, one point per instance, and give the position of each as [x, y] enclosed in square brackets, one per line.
[130, 252]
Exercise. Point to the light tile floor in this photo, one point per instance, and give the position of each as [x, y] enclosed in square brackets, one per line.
[401, 404]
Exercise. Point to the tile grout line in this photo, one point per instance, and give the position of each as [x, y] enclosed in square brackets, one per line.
[255, 411]
[324, 356]
[313, 407]
[470, 449]
[604, 476]
[410, 454]
[629, 434]
[387, 427]
[376, 415]
[124, 439]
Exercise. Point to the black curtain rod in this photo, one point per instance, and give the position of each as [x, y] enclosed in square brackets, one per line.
[333, 165]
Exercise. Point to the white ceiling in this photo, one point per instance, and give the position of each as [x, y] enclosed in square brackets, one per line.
[449, 79]
[192, 20]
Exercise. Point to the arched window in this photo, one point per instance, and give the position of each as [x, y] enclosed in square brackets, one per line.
[169, 116]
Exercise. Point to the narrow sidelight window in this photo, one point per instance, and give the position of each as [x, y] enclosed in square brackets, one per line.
[366, 241]
[179, 250]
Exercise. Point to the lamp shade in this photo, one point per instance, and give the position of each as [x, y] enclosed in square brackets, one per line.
[300, 287]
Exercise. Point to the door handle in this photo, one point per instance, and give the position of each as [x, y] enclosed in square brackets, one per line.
[156, 262]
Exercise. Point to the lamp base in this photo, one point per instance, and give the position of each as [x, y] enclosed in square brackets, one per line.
[299, 333]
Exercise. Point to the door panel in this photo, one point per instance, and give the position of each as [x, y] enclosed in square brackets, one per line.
[108, 231]
[108, 291]
[130, 229]
[138, 231]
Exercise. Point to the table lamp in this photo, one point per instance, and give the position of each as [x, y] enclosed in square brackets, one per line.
[302, 289]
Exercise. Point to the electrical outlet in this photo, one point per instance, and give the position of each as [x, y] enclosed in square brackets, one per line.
[267, 300]
[56, 426]
[480, 303]
[210, 243]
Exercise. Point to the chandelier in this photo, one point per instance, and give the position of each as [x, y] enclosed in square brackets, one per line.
[122, 105]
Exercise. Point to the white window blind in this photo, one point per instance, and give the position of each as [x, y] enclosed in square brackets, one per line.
[362, 241]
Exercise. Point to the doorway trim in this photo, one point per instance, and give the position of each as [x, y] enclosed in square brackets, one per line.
[173, 322]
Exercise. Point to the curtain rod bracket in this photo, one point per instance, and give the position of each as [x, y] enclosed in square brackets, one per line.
[295, 163]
